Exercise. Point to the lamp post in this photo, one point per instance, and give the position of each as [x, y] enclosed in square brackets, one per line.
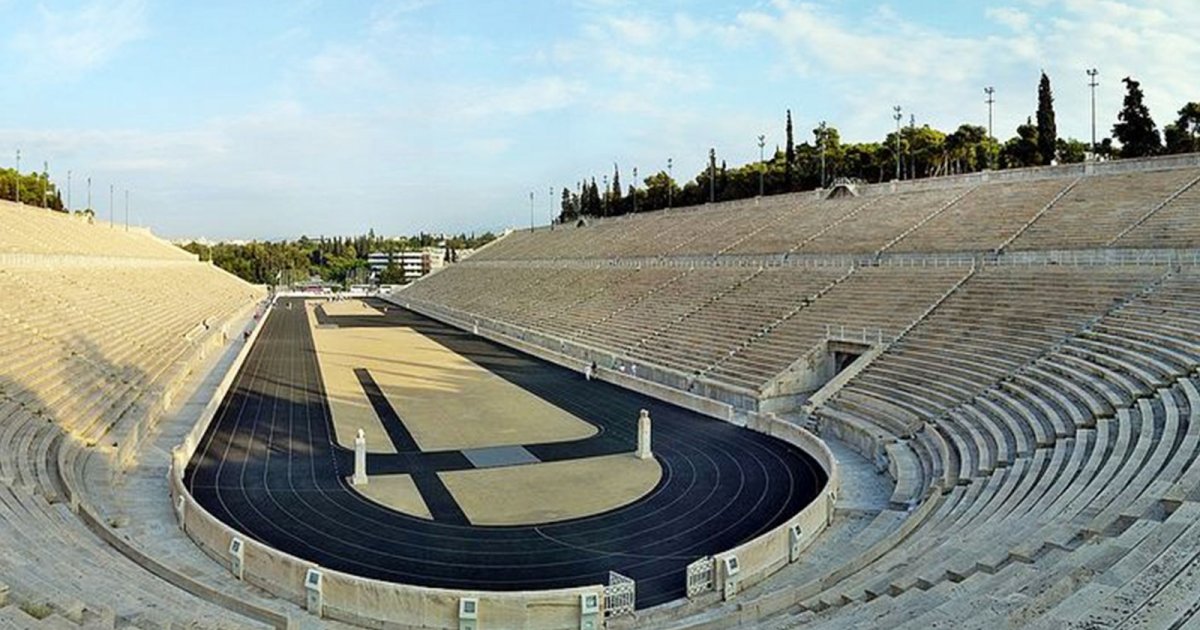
[670, 183]
[550, 204]
[1092, 84]
[912, 135]
[762, 165]
[18, 189]
[712, 175]
[635, 189]
[604, 197]
[990, 91]
[991, 100]
[531, 211]
[897, 116]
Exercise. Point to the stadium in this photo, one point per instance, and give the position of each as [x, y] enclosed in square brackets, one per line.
[961, 399]
[941, 380]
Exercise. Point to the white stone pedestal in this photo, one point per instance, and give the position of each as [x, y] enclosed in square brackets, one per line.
[360, 459]
[643, 447]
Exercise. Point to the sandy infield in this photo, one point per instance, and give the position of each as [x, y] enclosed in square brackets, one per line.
[397, 492]
[446, 401]
[554, 491]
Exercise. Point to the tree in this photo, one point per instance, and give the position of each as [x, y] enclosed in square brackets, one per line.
[392, 274]
[1070, 150]
[592, 206]
[614, 195]
[1022, 150]
[1182, 135]
[656, 194]
[962, 150]
[1047, 133]
[1136, 129]
[790, 155]
[569, 211]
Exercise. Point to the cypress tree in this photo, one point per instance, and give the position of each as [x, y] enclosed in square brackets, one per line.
[789, 155]
[1047, 136]
[1136, 129]
[615, 194]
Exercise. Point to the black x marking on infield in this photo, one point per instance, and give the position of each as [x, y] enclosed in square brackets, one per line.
[437, 497]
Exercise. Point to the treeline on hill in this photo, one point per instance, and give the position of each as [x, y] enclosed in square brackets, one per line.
[36, 189]
[342, 260]
[923, 151]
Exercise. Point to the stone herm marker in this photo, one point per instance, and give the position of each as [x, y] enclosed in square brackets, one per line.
[360, 459]
[643, 447]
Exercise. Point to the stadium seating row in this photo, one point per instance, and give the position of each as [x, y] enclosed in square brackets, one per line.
[32, 230]
[1151, 209]
[744, 326]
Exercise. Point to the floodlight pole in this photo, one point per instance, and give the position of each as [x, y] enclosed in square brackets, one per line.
[897, 116]
[89, 195]
[1092, 72]
[550, 204]
[635, 181]
[991, 99]
[762, 165]
[670, 182]
[912, 134]
[604, 197]
[43, 184]
[990, 91]
[68, 191]
[18, 188]
[531, 211]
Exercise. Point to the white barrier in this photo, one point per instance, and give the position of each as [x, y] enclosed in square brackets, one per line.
[759, 558]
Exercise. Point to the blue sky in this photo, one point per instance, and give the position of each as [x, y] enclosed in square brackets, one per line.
[275, 119]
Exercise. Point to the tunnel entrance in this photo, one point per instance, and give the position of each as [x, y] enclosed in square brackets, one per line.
[829, 358]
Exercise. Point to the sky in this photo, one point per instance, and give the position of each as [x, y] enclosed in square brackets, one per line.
[278, 119]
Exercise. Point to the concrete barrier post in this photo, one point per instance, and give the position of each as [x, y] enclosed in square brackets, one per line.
[468, 613]
[237, 557]
[314, 589]
[643, 447]
[360, 459]
[589, 611]
[795, 536]
[731, 573]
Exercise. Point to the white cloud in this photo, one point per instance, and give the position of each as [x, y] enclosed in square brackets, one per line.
[528, 97]
[1014, 19]
[69, 42]
[649, 55]
[863, 66]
